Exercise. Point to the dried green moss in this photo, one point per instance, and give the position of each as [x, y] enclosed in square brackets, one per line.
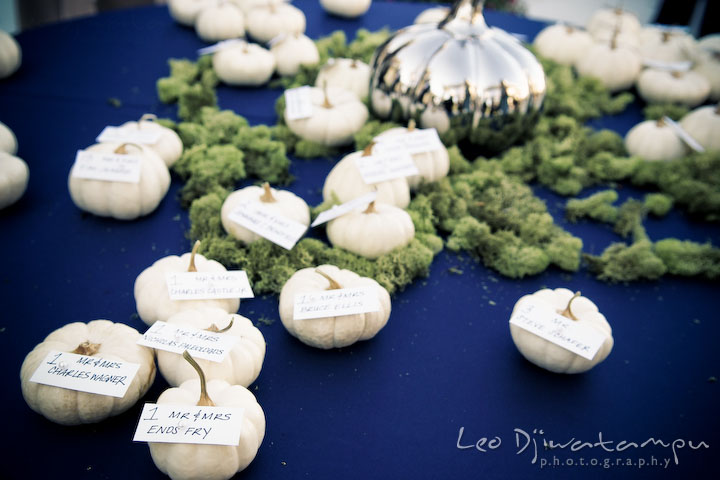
[689, 258]
[627, 263]
[656, 111]
[598, 206]
[658, 204]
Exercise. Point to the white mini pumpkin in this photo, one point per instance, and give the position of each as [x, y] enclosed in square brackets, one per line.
[615, 66]
[244, 64]
[185, 12]
[169, 146]
[703, 124]
[353, 75]
[292, 51]
[562, 43]
[613, 19]
[220, 21]
[98, 338]
[122, 200]
[247, 5]
[8, 142]
[686, 88]
[338, 114]
[666, 45]
[344, 183]
[243, 362]
[707, 64]
[280, 202]
[432, 165]
[550, 356]
[346, 8]
[10, 55]
[14, 175]
[152, 298]
[432, 15]
[265, 22]
[372, 232]
[654, 140]
[434, 117]
[184, 461]
[331, 332]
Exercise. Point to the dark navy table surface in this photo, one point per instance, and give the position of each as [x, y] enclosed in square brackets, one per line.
[392, 407]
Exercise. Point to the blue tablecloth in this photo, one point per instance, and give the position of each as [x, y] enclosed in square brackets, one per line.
[392, 407]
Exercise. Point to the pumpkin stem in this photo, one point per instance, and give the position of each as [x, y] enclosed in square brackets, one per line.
[677, 74]
[367, 151]
[370, 208]
[215, 329]
[204, 400]
[192, 267]
[87, 348]
[326, 101]
[567, 312]
[267, 196]
[334, 285]
[148, 117]
[411, 125]
[666, 36]
[660, 122]
[569, 29]
[354, 63]
[122, 149]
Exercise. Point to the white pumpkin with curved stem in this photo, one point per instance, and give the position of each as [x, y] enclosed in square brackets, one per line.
[353, 75]
[98, 338]
[338, 331]
[265, 22]
[337, 115]
[280, 202]
[686, 88]
[372, 232]
[184, 461]
[346, 8]
[10, 55]
[345, 183]
[550, 356]
[432, 165]
[220, 21]
[185, 12]
[562, 43]
[123, 200]
[169, 146]
[14, 175]
[613, 19]
[703, 124]
[243, 362]
[654, 140]
[8, 142]
[244, 64]
[152, 298]
[617, 67]
[293, 51]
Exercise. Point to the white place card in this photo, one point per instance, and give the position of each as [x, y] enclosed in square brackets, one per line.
[111, 167]
[668, 66]
[85, 374]
[220, 45]
[298, 103]
[208, 285]
[560, 330]
[388, 164]
[203, 344]
[332, 303]
[166, 423]
[347, 207]
[414, 141]
[129, 135]
[684, 136]
[280, 230]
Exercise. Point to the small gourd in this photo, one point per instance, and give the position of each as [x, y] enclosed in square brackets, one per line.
[10, 55]
[703, 124]
[152, 298]
[334, 331]
[14, 175]
[244, 64]
[338, 114]
[346, 8]
[350, 74]
[660, 86]
[220, 21]
[372, 232]
[185, 12]
[183, 461]
[98, 338]
[265, 22]
[122, 200]
[280, 202]
[292, 51]
[615, 66]
[344, 183]
[654, 140]
[550, 356]
[563, 43]
[243, 362]
[169, 146]
[613, 19]
[8, 142]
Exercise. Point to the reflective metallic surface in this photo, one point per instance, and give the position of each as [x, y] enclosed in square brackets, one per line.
[459, 74]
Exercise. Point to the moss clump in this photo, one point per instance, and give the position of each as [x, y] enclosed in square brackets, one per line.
[598, 206]
[658, 204]
[204, 167]
[656, 111]
[190, 84]
[626, 263]
[689, 258]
